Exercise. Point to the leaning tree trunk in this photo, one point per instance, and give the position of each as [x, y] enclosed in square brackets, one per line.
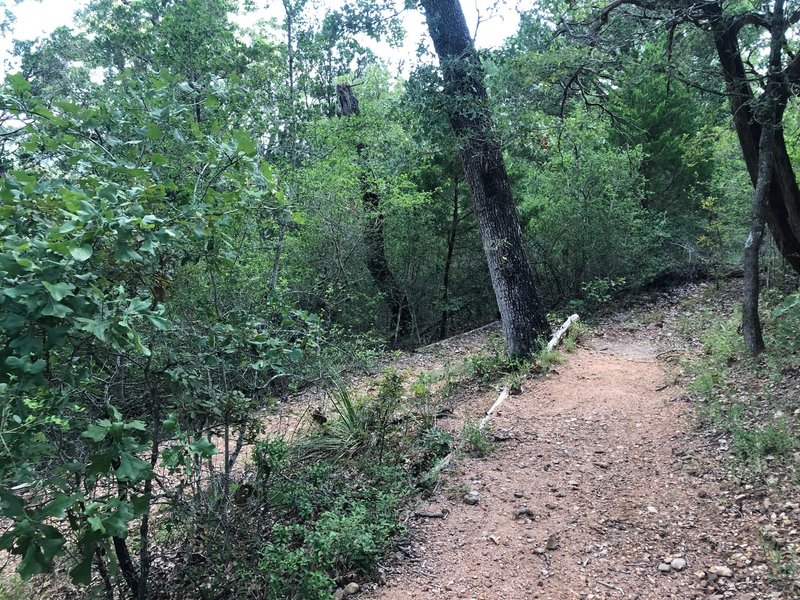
[377, 262]
[783, 200]
[513, 279]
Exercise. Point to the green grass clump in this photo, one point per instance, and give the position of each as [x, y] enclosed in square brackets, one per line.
[732, 388]
[474, 441]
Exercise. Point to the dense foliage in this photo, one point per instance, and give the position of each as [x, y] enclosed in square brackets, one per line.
[191, 230]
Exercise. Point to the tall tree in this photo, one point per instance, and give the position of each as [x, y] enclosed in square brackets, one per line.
[513, 278]
[377, 261]
[732, 27]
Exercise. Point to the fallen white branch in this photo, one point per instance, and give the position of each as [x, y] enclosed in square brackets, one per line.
[500, 399]
[560, 333]
[550, 345]
[504, 393]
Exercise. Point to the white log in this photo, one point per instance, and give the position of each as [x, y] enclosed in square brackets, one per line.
[504, 394]
[562, 330]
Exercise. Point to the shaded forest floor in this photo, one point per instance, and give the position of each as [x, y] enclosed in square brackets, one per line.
[605, 484]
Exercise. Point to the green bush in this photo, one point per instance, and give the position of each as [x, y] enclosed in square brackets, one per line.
[474, 441]
[327, 522]
[585, 220]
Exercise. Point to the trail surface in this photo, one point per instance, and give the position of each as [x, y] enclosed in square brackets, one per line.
[600, 487]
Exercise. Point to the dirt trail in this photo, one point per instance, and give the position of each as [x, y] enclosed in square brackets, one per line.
[602, 456]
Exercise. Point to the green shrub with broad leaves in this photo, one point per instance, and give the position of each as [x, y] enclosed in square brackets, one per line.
[108, 374]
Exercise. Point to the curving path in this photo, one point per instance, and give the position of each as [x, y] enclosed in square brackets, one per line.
[600, 487]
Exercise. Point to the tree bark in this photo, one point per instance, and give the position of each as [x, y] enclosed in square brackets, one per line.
[783, 200]
[451, 246]
[751, 323]
[126, 566]
[769, 110]
[377, 262]
[513, 279]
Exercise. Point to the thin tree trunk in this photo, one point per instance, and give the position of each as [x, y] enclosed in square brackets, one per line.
[767, 108]
[108, 588]
[144, 527]
[126, 565]
[451, 245]
[513, 280]
[283, 224]
[783, 200]
[374, 234]
[751, 323]
[378, 266]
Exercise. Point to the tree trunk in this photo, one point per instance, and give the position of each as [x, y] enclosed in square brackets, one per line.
[377, 262]
[513, 280]
[768, 111]
[451, 246]
[783, 200]
[751, 323]
[126, 565]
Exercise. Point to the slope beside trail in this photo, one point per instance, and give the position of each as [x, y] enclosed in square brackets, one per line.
[599, 486]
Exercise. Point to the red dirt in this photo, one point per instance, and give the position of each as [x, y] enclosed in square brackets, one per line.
[603, 457]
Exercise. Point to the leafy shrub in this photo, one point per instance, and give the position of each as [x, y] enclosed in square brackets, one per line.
[753, 445]
[326, 523]
[585, 218]
[474, 441]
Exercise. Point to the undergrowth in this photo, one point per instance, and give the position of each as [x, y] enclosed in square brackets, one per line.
[736, 392]
[474, 441]
[320, 511]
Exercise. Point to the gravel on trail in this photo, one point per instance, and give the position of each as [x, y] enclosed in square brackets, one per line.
[600, 491]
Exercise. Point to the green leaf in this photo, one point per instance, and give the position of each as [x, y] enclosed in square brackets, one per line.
[54, 309]
[11, 505]
[39, 552]
[81, 253]
[132, 468]
[96, 433]
[81, 573]
[13, 322]
[59, 291]
[244, 143]
[18, 83]
[159, 323]
[203, 447]
[136, 425]
[19, 291]
[58, 506]
[96, 523]
[266, 171]
[117, 519]
[95, 327]
[295, 354]
[69, 226]
[153, 132]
